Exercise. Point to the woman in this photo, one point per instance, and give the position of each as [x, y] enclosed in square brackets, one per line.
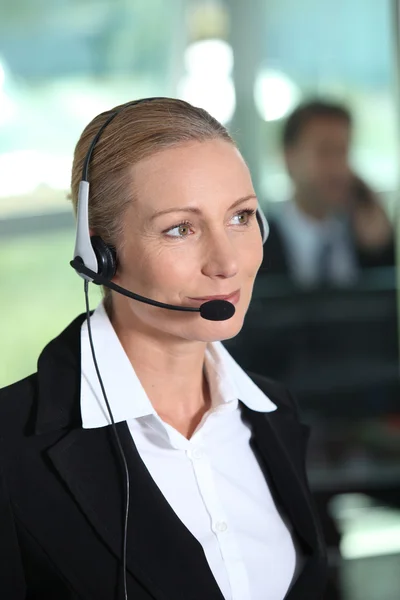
[219, 505]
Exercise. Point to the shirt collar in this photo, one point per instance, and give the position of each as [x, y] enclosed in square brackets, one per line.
[300, 221]
[126, 396]
[229, 382]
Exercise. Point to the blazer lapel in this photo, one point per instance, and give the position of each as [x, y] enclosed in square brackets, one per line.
[279, 440]
[161, 553]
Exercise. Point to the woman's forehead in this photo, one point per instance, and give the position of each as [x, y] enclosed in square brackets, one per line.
[193, 172]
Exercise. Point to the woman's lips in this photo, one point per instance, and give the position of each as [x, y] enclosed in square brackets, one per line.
[232, 298]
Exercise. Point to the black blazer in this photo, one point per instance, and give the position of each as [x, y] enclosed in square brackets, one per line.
[276, 260]
[61, 497]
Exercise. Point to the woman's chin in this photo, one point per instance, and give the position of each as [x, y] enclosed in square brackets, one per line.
[218, 331]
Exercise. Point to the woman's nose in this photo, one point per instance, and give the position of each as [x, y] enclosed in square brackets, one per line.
[220, 257]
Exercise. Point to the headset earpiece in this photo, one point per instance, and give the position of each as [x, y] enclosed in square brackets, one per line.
[263, 224]
[106, 257]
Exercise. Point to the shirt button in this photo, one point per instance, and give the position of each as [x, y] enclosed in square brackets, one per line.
[197, 453]
[221, 526]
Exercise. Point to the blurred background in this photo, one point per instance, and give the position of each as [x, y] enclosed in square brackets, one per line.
[324, 319]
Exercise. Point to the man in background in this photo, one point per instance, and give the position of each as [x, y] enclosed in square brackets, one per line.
[330, 231]
[334, 227]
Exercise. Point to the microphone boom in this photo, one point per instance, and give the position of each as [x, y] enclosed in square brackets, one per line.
[213, 310]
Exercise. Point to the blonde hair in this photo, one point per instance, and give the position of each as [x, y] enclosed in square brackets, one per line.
[137, 132]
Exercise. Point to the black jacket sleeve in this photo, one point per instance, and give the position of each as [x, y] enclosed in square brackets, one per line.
[12, 581]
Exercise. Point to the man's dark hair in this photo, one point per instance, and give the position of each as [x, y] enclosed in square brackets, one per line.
[305, 113]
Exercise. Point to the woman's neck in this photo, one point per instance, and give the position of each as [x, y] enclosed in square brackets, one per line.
[171, 373]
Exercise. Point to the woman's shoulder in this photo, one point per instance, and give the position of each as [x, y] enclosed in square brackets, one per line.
[16, 401]
[57, 363]
[22, 389]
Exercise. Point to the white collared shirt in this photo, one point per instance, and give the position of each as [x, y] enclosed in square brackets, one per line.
[304, 237]
[212, 481]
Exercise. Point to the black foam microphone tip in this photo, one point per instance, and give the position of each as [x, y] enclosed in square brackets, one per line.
[217, 310]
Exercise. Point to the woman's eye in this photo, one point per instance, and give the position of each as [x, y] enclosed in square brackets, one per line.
[181, 230]
[243, 218]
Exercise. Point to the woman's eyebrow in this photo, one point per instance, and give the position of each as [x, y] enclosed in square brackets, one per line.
[193, 209]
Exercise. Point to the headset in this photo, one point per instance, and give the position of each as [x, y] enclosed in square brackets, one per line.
[96, 262]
